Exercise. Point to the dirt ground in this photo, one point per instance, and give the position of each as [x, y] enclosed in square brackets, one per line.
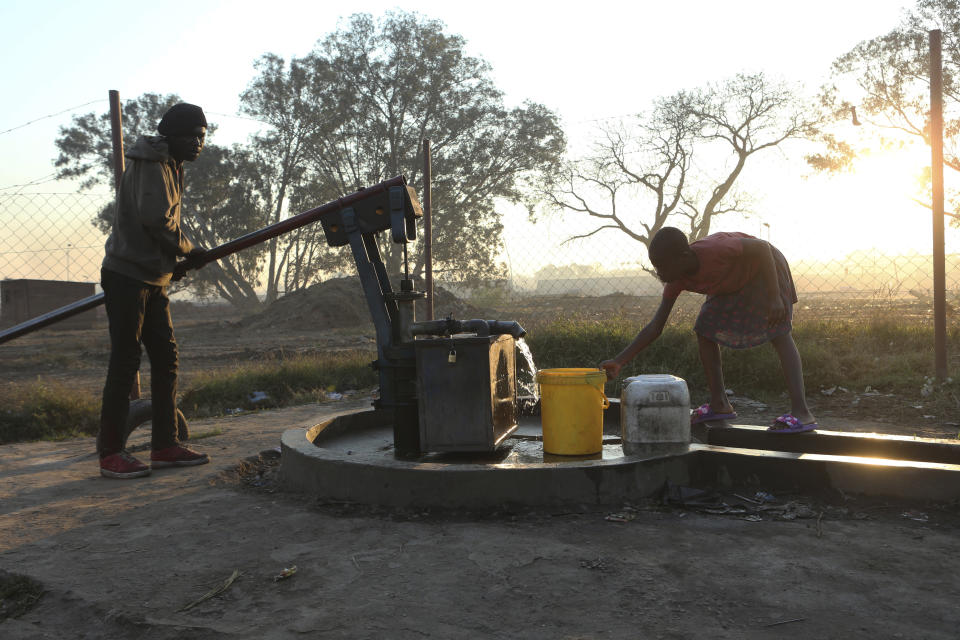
[131, 559]
[134, 559]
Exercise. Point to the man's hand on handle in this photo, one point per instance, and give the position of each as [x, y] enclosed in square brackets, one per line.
[193, 260]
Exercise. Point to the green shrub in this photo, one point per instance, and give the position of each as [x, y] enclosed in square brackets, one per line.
[890, 356]
[46, 411]
[896, 357]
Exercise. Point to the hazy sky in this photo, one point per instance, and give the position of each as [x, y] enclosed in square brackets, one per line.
[600, 60]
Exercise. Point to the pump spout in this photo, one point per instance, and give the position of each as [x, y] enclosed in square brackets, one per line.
[509, 327]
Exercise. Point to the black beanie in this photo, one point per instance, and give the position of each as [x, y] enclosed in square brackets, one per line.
[181, 119]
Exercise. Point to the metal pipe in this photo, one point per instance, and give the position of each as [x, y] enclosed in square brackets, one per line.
[479, 327]
[51, 317]
[299, 220]
[482, 328]
[433, 327]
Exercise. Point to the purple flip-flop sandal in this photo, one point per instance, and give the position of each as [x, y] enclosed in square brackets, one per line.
[787, 423]
[704, 413]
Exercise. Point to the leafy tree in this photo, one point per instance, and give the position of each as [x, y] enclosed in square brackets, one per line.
[223, 202]
[350, 114]
[641, 175]
[386, 85]
[878, 98]
[295, 101]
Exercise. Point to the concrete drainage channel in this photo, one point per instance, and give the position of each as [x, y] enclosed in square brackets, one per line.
[351, 458]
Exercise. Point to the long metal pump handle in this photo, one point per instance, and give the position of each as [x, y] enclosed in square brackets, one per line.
[221, 251]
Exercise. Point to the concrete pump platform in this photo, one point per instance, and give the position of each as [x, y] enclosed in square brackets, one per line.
[350, 458]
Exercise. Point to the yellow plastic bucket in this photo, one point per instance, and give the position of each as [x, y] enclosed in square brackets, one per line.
[571, 410]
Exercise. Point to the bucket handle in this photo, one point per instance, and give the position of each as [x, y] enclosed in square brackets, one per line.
[606, 400]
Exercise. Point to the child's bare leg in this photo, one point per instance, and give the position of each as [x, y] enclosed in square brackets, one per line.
[712, 366]
[793, 372]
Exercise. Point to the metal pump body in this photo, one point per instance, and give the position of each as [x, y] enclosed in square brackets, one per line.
[476, 386]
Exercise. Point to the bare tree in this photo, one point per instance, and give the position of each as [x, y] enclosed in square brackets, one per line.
[642, 174]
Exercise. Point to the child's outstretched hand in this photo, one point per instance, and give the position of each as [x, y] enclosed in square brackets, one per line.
[612, 367]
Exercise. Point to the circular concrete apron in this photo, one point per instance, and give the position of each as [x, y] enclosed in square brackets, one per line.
[350, 458]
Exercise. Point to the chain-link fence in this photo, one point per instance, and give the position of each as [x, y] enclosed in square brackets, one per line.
[53, 237]
[862, 284]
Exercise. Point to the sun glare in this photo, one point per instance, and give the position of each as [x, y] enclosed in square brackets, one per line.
[877, 206]
[894, 193]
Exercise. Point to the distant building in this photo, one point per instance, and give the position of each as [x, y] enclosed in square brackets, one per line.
[600, 285]
[22, 300]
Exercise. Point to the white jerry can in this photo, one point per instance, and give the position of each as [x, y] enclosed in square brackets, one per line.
[655, 414]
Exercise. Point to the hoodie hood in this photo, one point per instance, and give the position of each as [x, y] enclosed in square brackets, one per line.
[149, 148]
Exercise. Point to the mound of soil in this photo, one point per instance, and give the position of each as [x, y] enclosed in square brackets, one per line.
[339, 303]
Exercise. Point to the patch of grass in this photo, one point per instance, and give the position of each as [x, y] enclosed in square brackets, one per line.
[46, 411]
[280, 382]
[585, 343]
[42, 411]
[893, 357]
[890, 356]
[18, 594]
[210, 433]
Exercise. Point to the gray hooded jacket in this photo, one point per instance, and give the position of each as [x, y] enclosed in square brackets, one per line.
[146, 238]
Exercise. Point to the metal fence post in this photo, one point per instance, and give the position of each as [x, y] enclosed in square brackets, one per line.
[428, 226]
[936, 175]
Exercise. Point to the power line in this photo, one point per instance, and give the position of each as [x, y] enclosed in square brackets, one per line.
[52, 115]
[68, 248]
[50, 177]
[235, 117]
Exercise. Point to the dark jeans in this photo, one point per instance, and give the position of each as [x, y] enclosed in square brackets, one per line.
[138, 313]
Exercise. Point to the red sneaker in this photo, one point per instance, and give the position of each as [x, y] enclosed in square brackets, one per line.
[122, 465]
[177, 456]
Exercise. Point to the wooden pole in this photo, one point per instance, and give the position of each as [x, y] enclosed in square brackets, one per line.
[428, 225]
[116, 128]
[936, 175]
[116, 131]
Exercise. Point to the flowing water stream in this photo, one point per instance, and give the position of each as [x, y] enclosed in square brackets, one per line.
[527, 379]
